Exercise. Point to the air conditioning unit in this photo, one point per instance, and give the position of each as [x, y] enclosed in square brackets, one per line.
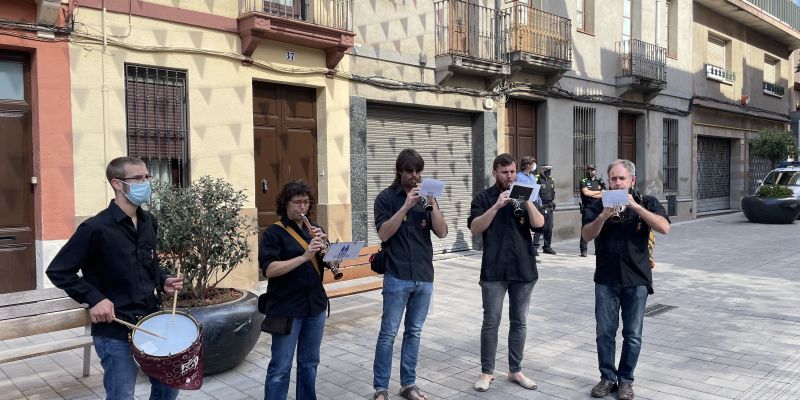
[47, 12]
[745, 100]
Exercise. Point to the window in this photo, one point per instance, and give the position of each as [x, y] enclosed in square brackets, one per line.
[584, 18]
[771, 70]
[670, 20]
[715, 52]
[627, 11]
[157, 121]
[583, 142]
[670, 161]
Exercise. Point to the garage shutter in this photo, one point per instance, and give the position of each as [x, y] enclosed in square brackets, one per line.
[716, 52]
[444, 139]
[713, 174]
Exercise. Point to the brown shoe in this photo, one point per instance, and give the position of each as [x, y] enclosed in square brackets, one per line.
[603, 388]
[625, 391]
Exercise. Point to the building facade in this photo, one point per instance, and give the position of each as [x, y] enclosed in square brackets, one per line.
[743, 83]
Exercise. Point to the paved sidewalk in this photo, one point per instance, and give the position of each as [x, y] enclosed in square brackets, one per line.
[735, 333]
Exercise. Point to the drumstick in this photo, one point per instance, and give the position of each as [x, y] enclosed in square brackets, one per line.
[175, 298]
[132, 326]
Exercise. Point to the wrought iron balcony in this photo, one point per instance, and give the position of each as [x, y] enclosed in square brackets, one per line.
[720, 74]
[539, 41]
[320, 24]
[642, 67]
[469, 40]
[773, 89]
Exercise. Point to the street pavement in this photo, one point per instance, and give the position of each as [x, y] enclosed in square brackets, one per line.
[734, 331]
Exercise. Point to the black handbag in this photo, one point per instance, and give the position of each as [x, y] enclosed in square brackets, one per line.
[277, 325]
[377, 262]
[273, 325]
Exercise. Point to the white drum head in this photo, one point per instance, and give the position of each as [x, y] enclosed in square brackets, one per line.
[179, 334]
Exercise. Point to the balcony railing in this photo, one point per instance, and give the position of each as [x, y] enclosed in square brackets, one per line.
[642, 60]
[540, 33]
[469, 30]
[720, 74]
[329, 13]
[773, 89]
[784, 10]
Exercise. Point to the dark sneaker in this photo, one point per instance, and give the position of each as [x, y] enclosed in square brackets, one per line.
[548, 250]
[603, 388]
[536, 253]
[625, 391]
[583, 253]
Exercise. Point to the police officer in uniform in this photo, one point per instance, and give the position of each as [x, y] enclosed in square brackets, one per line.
[547, 193]
[591, 189]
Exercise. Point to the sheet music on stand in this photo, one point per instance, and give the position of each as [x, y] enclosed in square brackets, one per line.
[343, 251]
[613, 198]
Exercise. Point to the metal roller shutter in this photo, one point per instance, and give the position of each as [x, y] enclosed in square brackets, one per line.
[444, 139]
[769, 71]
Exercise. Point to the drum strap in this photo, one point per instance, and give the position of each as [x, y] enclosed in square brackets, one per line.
[302, 243]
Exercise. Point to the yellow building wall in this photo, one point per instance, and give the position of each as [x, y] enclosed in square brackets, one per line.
[220, 109]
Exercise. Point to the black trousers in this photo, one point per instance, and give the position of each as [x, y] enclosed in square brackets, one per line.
[547, 229]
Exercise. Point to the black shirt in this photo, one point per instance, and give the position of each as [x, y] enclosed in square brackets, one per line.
[591, 184]
[299, 292]
[507, 250]
[409, 252]
[118, 262]
[621, 247]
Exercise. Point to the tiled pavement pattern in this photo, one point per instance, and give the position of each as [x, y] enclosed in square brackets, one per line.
[734, 335]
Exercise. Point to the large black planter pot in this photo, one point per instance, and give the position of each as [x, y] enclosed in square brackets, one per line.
[230, 330]
[771, 211]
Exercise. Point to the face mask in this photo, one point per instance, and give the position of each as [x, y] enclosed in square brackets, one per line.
[138, 193]
[534, 167]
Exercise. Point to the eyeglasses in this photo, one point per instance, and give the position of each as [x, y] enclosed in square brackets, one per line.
[137, 178]
[299, 203]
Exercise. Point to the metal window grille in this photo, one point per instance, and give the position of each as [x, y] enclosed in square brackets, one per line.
[670, 162]
[157, 120]
[758, 169]
[583, 143]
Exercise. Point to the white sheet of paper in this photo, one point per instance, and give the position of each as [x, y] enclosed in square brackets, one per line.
[343, 251]
[534, 193]
[612, 198]
[431, 187]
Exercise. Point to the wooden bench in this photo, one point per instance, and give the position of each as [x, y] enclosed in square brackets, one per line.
[357, 268]
[35, 312]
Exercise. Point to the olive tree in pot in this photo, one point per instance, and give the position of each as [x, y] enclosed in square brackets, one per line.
[772, 204]
[202, 230]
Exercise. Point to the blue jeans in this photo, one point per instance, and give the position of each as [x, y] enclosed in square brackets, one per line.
[398, 295]
[608, 301]
[120, 370]
[519, 298]
[306, 336]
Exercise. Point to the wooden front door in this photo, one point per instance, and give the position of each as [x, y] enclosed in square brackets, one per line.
[627, 137]
[520, 128]
[17, 246]
[285, 140]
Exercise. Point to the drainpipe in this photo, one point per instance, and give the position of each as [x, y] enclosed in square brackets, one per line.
[498, 30]
[104, 92]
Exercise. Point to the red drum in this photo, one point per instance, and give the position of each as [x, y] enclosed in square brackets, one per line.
[176, 360]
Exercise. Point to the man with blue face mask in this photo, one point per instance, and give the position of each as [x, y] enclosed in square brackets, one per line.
[116, 254]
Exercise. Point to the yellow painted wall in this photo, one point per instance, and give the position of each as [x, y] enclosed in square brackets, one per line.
[220, 107]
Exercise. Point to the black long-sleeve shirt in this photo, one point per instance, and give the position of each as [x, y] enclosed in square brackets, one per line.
[118, 262]
[299, 292]
[507, 251]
